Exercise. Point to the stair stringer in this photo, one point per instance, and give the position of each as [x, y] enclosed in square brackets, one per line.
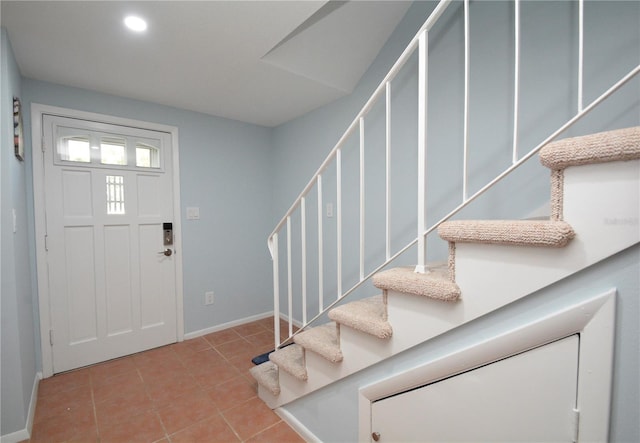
[601, 203]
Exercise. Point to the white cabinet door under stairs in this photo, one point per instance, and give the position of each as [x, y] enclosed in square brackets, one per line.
[527, 397]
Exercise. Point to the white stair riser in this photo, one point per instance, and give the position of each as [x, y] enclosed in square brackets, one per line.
[421, 318]
[269, 399]
[602, 204]
[290, 388]
[491, 276]
[322, 371]
[365, 348]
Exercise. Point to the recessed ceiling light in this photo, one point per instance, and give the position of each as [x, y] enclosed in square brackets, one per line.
[135, 23]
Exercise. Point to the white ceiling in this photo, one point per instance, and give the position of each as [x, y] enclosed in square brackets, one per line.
[263, 62]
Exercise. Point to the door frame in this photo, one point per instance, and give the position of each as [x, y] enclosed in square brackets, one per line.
[37, 138]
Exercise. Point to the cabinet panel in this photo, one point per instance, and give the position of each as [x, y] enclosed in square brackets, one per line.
[527, 397]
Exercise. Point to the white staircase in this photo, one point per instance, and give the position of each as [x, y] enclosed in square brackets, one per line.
[595, 208]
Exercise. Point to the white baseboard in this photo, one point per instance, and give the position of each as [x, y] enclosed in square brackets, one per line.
[234, 323]
[227, 325]
[15, 437]
[297, 323]
[295, 424]
[25, 434]
[32, 403]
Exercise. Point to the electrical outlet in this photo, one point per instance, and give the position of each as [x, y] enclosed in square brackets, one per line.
[208, 298]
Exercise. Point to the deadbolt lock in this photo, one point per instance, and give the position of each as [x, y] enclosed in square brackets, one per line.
[167, 234]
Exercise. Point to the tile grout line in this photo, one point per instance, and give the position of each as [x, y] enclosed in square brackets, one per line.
[205, 391]
[154, 409]
[262, 430]
[93, 405]
[230, 427]
[166, 434]
[182, 355]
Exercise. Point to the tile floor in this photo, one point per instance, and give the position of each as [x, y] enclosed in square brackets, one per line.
[199, 390]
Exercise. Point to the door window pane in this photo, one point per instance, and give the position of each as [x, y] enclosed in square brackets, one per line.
[112, 151]
[115, 194]
[75, 149]
[147, 156]
[109, 150]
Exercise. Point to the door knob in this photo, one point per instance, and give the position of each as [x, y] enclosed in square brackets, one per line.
[375, 436]
[167, 252]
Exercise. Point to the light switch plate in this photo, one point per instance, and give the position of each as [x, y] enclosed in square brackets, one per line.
[329, 209]
[193, 213]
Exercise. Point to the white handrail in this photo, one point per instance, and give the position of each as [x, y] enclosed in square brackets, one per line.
[420, 43]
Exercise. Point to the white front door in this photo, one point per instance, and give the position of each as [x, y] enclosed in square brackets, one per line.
[108, 196]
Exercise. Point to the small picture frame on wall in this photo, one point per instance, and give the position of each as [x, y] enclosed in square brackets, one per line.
[18, 142]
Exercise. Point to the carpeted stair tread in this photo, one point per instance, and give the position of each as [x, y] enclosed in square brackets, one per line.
[433, 284]
[291, 359]
[368, 315]
[322, 340]
[617, 145]
[266, 375]
[553, 234]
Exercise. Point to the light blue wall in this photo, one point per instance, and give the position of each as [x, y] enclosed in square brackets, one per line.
[548, 98]
[16, 307]
[548, 68]
[225, 170]
[243, 177]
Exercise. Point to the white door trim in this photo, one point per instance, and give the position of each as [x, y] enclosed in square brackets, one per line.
[37, 112]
